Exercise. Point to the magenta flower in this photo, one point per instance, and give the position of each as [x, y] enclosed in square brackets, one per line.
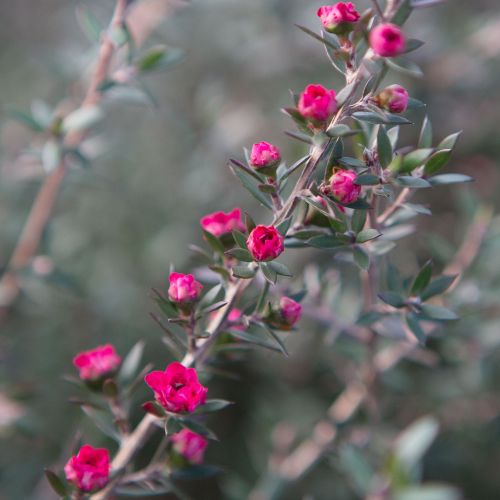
[338, 18]
[265, 243]
[387, 40]
[343, 188]
[97, 363]
[290, 310]
[393, 98]
[317, 103]
[190, 445]
[177, 389]
[264, 155]
[220, 223]
[89, 469]
[183, 288]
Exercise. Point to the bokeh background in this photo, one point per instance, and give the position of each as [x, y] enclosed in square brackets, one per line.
[120, 224]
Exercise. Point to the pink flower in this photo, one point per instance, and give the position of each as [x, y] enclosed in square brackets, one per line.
[387, 40]
[220, 223]
[264, 155]
[343, 188]
[97, 363]
[183, 288]
[338, 18]
[89, 469]
[290, 310]
[190, 445]
[265, 243]
[393, 98]
[317, 103]
[177, 389]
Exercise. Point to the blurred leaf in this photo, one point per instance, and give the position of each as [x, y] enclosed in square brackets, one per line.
[283, 227]
[213, 405]
[243, 272]
[439, 180]
[56, 483]
[414, 441]
[319, 38]
[412, 182]
[415, 328]
[361, 258]
[367, 235]
[252, 188]
[384, 147]
[269, 273]
[414, 159]
[437, 161]
[26, 119]
[130, 364]
[374, 118]
[428, 491]
[402, 13]
[367, 180]
[405, 66]
[358, 220]
[325, 242]
[214, 242]
[102, 421]
[254, 339]
[240, 254]
[392, 298]
[354, 463]
[340, 130]
[438, 313]
[422, 279]
[82, 119]
[51, 155]
[425, 139]
[450, 141]
[89, 24]
[194, 472]
[437, 286]
[280, 268]
[159, 58]
[211, 296]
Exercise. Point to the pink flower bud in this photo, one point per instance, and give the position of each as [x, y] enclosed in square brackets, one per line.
[387, 40]
[290, 310]
[393, 99]
[89, 469]
[339, 18]
[317, 104]
[265, 243]
[183, 288]
[343, 188]
[190, 445]
[97, 363]
[220, 223]
[177, 389]
[264, 155]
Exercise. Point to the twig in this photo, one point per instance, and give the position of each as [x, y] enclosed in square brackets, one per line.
[400, 200]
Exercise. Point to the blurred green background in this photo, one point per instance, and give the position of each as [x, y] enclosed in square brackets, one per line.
[119, 226]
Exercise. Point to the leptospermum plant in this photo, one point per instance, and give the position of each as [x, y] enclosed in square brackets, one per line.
[346, 196]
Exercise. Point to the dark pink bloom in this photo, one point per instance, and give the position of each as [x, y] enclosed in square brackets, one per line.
[338, 18]
[317, 103]
[190, 445]
[343, 188]
[177, 389]
[97, 363]
[387, 40]
[265, 243]
[89, 469]
[393, 98]
[220, 223]
[183, 288]
[290, 310]
[264, 155]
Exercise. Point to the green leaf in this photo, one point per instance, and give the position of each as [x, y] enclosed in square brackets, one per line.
[243, 272]
[425, 139]
[413, 44]
[269, 273]
[367, 235]
[56, 483]
[158, 58]
[437, 161]
[273, 335]
[450, 141]
[252, 188]
[27, 120]
[249, 223]
[325, 241]
[358, 220]
[280, 269]
[412, 444]
[198, 427]
[415, 328]
[392, 298]
[415, 103]
[442, 179]
[438, 313]
[102, 421]
[375, 118]
[412, 182]
[422, 279]
[292, 168]
[130, 364]
[317, 37]
[214, 242]
[352, 162]
[367, 180]
[384, 147]
[83, 118]
[353, 463]
[405, 66]
[428, 491]
[361, 258]
[193, 473]
[89, 23]
[437, 286]
[402, 13]
[240, 254]
[240, 239]
[340, 130]
[213, 405]
[254, 339]
[414, 159]
[283, 227]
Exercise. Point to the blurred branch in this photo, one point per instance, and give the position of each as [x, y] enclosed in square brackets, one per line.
[43, 205]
